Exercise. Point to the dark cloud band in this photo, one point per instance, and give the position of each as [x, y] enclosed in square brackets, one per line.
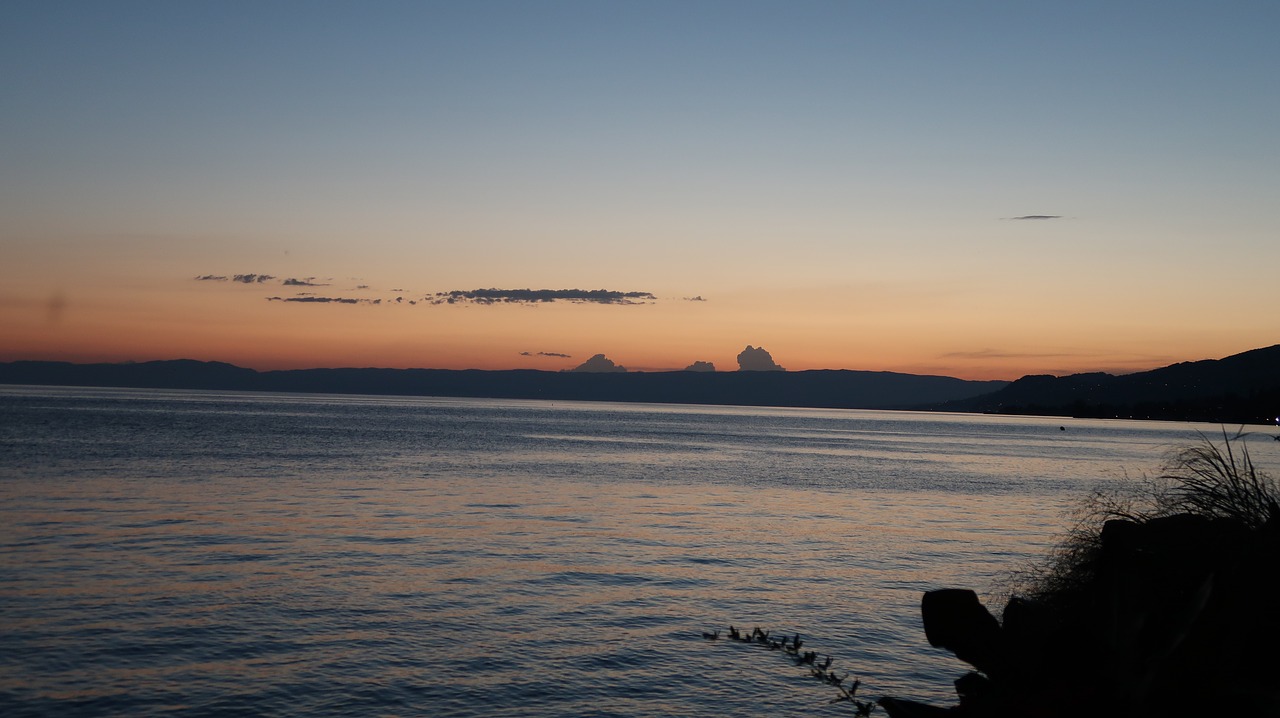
[457, 296]
[541, 296]
[242, 278]
[324, 300]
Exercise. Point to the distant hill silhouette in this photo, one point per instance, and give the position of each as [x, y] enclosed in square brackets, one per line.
[1239, 389]
[823, 388]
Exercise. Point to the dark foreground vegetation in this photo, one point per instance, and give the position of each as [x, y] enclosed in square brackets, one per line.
[1161, 603]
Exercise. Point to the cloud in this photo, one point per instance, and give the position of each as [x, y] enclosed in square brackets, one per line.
[306, 299]
[1038, 216]
[598, 364]
[242, 278]
[541, 296]
[701, 366]
[753, 359]
[695, 299]
[557, 355]
[264, 278]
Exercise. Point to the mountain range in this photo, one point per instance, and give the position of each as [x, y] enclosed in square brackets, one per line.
[1243, 388]
[823, 388]
[1239, 389]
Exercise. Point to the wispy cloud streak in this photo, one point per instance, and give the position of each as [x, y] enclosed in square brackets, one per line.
[324, 300]
[541, 296]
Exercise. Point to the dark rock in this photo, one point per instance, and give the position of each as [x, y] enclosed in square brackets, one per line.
[956, 620]
[1164, 615]
[978, 694]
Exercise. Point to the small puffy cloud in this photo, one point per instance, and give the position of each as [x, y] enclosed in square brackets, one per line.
[307, 282]
[695, 299]
[252, 278]
[701, 366]
[211, 278]
[541, 296]
[598, 364]
[1038, 216]
[757, 359]
[556, 355]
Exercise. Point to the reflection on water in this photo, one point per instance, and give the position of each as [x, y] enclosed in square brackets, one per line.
[264, 554]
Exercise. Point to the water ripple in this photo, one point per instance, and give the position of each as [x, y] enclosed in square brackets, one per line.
[218, 554]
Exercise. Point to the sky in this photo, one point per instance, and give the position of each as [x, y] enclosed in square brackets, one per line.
[977, 189]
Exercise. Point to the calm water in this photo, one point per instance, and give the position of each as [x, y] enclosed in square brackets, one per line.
[238, 554]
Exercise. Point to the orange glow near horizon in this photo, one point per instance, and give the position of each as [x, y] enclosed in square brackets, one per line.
[238, 325]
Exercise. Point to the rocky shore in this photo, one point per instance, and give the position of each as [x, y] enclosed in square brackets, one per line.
[1166, 610]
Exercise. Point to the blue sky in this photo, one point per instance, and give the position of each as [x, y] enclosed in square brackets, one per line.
[838, 180]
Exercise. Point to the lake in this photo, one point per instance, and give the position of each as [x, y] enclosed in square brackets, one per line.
[221, 553]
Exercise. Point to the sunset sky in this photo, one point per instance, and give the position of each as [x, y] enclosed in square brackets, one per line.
[976, 189]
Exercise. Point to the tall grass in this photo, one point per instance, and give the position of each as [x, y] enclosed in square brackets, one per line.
[1209, 479]
[1219, 482]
